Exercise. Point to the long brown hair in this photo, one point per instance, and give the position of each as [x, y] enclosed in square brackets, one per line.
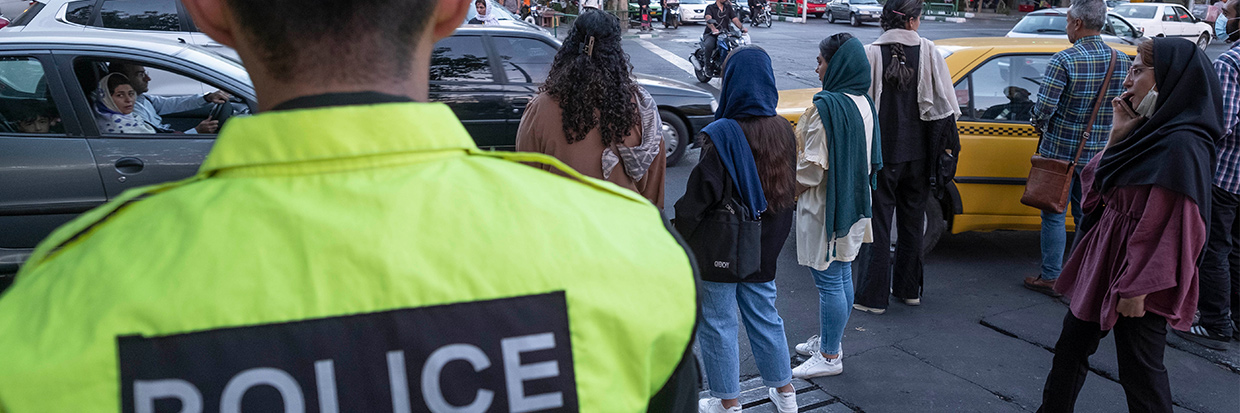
[774, 146]
[1146, 50]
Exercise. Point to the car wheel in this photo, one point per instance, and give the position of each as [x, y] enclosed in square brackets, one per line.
[1204, 40]
[818, 15]
[675, 136]
[831, 18]
[852, 19]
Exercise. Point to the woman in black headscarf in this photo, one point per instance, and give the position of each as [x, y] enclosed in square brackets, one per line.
[1134, 269]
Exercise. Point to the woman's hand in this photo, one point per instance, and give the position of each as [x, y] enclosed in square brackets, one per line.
[1125, 120]
[1131, 307]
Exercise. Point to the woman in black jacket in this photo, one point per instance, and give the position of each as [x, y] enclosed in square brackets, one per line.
[752, 150]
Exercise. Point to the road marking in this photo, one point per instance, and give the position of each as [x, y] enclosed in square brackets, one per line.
[670, 57]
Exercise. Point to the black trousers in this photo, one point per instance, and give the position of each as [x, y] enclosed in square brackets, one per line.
[902, 191]
[1220, 268]
[710, 42]
[1139, 345]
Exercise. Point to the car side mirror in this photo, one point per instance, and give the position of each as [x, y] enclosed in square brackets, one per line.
[1140, 32]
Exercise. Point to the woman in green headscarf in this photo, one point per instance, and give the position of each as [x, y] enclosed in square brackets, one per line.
[838, 155]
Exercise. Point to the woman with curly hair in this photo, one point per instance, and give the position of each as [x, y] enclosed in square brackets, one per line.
[753, 151]
[917, 109]
[593, 116]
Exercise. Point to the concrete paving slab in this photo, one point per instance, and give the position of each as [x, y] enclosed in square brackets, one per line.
[1197, 383]
[889, 380]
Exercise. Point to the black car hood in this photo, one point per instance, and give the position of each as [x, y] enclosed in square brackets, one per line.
[668, 87]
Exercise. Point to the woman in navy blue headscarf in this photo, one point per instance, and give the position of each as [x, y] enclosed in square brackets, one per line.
[751, 149]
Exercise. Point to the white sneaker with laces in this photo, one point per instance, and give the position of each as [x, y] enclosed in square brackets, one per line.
[714, 405]
[784, 402]
[809, 346]
[819, 366]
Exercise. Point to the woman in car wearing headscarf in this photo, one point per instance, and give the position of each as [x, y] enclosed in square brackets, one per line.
[485, 16]
[593, 116]
[746, 139]
[113, 105]
[839, 154]
[1134, 270]
[917, 107]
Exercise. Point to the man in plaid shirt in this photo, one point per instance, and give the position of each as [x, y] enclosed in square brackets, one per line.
[1070, 87]
[1218, 286]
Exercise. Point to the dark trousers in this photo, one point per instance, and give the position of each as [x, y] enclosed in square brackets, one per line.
[709, 43]
[1139, 345]
[1220, 268]
[903, 189]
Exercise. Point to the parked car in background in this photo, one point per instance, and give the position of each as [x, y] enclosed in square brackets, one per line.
[997, 82]
[1053, 23]
[854, 12]
[817, 8]
[4, 21]
[163, 18]
[1166, 20]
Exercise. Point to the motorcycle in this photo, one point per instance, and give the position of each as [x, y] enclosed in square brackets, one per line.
[671, 14]
[742, 11]
[761, 16]
[707, 67]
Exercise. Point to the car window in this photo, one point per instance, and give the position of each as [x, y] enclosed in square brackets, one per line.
[1183, 14]
[80, 12]
[965, 99]
[157, 15]
[525, 60]
[1118, 27]
[1130, 11]
[1169, 15]
[1045, 24]
[1006, 88]
[460, 59]
[167, 101]
[26, 105]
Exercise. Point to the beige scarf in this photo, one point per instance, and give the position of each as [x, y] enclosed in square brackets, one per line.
[936, 96]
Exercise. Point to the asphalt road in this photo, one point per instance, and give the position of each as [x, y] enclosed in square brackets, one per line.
[980, 342]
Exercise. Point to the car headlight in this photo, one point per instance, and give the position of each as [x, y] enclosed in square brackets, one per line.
[714, 105]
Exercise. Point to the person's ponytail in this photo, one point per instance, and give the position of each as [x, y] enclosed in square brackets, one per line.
[896, 15]
[897, 71]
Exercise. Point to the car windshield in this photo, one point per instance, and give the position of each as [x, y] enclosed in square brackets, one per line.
[500, 12]
[1132, 11]
[1042, 23]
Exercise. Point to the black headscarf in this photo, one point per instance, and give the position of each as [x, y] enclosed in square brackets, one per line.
[1174, 148]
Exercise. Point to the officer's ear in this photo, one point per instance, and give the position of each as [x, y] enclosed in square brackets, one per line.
[214, 19]
[448, 17]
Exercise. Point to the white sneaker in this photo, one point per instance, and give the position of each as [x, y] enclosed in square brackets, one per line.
[809, 346]
[714, 405]
[784, 402]
[911, 301]
[871, 310]
[819, 366]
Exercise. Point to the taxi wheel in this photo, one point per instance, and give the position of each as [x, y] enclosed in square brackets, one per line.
[675, 136]
[1204, 40]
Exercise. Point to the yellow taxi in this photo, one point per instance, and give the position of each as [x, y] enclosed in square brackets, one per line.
[997, 81]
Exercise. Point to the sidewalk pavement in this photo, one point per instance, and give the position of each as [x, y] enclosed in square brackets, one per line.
[979, 342]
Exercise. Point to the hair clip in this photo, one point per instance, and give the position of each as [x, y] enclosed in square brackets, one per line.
[588, 47]
[897, 12]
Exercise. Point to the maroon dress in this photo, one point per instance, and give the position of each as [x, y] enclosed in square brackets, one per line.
[1147, 241]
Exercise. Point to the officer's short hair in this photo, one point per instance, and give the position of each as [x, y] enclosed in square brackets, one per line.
[295, 37]
[1091, 13]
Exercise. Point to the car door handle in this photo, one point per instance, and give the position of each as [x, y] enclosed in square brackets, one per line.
[129, 165]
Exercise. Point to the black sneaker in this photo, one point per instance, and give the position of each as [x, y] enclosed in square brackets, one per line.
[1201, 335]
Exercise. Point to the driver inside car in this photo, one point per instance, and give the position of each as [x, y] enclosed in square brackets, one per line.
[152, 107]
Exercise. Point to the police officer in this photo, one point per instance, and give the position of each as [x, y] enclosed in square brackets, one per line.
[350, 249]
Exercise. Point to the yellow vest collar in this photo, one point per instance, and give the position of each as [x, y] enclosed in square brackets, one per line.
[336, 132]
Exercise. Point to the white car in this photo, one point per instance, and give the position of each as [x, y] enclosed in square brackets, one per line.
[162, 18]
[1053, 24]
[1166, 20]
[693, 11]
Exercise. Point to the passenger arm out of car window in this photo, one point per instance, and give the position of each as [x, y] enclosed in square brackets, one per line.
[1053, 83]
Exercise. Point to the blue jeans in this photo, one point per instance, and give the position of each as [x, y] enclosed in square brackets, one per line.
[1054, 232]
[835, 301]
[718, 339]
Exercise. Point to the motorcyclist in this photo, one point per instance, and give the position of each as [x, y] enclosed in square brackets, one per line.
[722, 12]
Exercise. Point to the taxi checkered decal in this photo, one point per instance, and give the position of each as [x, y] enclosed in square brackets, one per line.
[1021, 131]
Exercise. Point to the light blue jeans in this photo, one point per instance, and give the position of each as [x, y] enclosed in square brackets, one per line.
[1054, 232]
[719, 342]
[835, 301]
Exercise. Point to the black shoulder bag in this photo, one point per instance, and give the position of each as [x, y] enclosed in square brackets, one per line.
[727, 241]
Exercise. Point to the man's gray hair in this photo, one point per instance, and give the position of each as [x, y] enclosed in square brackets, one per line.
[1091, 13]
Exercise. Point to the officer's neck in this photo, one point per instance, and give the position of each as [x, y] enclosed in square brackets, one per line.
[274, 90]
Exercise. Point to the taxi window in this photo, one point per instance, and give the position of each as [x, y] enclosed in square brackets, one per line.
[1004, 89]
